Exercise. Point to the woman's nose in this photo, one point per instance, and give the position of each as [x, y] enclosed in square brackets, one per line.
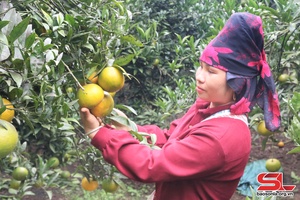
[200, 76]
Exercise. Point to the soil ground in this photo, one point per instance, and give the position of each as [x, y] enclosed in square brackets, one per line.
[290, 163]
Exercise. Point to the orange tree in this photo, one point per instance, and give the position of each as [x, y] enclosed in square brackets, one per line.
[282, 47]
[48, 49]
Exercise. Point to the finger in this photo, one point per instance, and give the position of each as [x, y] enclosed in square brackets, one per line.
[84, 111]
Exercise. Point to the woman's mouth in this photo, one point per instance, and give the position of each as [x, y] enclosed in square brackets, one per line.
[199, 90]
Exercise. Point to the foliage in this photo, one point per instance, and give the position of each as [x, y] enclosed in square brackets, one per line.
[48, 48]
[255, 197]
[293, 131]
[44, 46]
[281, 25]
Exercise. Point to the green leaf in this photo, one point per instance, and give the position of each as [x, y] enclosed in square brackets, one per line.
[60, 18]
[294, 176]
[53, 178]
[70, 19]
[47, 18]
[296, 102]
[124, 60]
[124, 121]
[30, 40]
[3, 24]
[27, 120]
[17, 78]
[49, 192]
[2, 106]
[2, 109]
[131, 39]
[19, 29]
[137, 135]
[140, 31]
[264, 142]
[4, 50]
[66, 126]
[124, 107]
[295, 150]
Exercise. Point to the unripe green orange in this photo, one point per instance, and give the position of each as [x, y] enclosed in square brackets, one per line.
[273, 165]
[262, 130]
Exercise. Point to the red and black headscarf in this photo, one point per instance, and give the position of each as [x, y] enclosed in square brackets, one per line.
[239, 50]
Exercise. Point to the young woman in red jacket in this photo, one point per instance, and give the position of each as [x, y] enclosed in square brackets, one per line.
[204, 153]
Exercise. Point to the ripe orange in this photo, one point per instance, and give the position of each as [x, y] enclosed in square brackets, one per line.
[280, 144]
[112, 94]
[53, 162]
[105, 107]
[20, 173]
[91, 96]
[111, 79]
[109, 185]
[93, 78]
[9, 138]
[262, 130]
[273, 165]
[9, 112]
[89, 185]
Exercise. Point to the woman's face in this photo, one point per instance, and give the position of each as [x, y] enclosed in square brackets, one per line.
[212, 86]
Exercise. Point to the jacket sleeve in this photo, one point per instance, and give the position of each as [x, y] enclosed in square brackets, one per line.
[161, 134]
[196, 155]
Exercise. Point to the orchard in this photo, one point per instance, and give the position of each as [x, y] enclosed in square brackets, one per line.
[135, 56]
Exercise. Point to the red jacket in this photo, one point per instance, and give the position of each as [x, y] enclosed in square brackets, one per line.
[198, 160]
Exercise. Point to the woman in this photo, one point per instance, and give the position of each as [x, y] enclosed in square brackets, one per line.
[204, 153]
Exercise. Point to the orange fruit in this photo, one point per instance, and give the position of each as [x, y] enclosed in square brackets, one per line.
[280, 144]
[9, 138]
[89, 185]
[93, 78]
[283, 78]
[9, 112]
[273, 165]
[65, 174]
[91, 96]
[69, 90]
[156, 62]
[14, 184]
[109, 185]
[53, 162]
[112, 94]
[39, 183]
[111, 79]
[105, 107]
[66, 157]
[20, 173]
[262, 130]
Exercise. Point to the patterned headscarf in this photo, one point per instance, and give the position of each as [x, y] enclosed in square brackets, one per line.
[239, 50]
